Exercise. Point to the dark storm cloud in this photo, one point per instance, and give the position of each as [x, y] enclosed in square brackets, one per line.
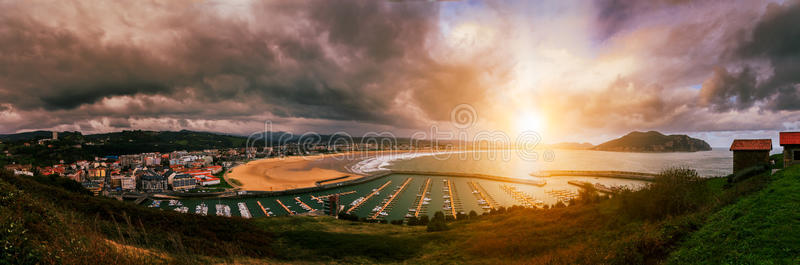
[53, 68]
[328, 60]
[725, 91]
[776, 40]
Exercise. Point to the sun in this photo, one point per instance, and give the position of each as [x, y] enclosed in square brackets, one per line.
[529, 122]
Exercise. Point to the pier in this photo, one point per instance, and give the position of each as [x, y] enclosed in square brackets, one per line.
[451, 198]
[391, 198]
[320, 182]
[481, 194]
[526, 200]
[422, 198]
[304, 205]
[263, 209]
[597, 173]
[599, 187]
[319, 198]
[284, 207]
[473, 175]
[367, 198]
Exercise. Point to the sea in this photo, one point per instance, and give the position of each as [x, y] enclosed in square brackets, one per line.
[513, 163]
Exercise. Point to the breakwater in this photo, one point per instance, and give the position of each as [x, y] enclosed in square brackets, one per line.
[597, 173]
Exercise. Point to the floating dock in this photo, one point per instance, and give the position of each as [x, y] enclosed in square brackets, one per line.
[391, 198]
[263, 209]
[481, 194]
[284, 207]
[451, 198]
[422, 198]
[368, 197]
[304, 205]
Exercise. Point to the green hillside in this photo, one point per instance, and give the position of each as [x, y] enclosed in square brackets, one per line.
[756, 229]
[680, 218]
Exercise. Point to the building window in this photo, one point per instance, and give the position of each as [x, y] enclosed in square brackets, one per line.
[796, 155]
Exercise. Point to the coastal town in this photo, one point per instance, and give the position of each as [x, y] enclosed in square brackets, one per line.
[182, 171]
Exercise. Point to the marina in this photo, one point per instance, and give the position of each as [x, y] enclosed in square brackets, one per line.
[374, 196]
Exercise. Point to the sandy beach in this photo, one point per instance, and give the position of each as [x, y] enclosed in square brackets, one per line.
[282, 173]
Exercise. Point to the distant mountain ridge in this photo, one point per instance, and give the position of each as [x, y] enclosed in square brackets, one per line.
[26, 136]
[571, 146]
[654, 142]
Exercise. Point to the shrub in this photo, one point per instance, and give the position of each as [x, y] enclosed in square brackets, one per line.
[461, 216]
[673, 191]
[438, 223]
[412, 221]
[423, 220]
[473, 215]
[747, 173]
[777, 160]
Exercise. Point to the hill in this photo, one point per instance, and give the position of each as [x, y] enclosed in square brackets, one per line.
[653, 141]
[571, 146]
[25, 136]
[48, 220]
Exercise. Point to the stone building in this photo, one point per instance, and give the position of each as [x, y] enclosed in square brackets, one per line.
[750, 152]
[790, 141]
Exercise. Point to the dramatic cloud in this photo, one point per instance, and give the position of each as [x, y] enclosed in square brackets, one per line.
[588, 68]
[774, 41]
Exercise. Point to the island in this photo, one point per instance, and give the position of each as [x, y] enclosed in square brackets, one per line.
[653, 141]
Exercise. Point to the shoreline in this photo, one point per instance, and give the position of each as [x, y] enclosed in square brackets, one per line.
[297, 172]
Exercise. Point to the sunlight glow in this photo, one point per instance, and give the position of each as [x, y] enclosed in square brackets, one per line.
[529, 121]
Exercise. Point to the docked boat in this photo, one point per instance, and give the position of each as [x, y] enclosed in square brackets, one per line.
[243, 211]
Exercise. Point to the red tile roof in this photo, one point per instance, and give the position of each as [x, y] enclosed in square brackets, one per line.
[790, 138]
[751, 145]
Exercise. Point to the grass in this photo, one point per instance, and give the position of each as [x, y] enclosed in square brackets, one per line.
[758, 228]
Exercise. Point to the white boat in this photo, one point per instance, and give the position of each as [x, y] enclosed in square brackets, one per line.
[243, 211]
[201, 209]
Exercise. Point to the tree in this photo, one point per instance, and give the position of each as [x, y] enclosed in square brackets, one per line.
[560, 204]
[423, 220]
[437, 223]
[412, 221]
[473, 215]
[461, 216]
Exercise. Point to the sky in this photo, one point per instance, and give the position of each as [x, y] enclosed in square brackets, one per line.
[579, 71]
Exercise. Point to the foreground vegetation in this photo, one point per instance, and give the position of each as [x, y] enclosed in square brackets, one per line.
[680, 218]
